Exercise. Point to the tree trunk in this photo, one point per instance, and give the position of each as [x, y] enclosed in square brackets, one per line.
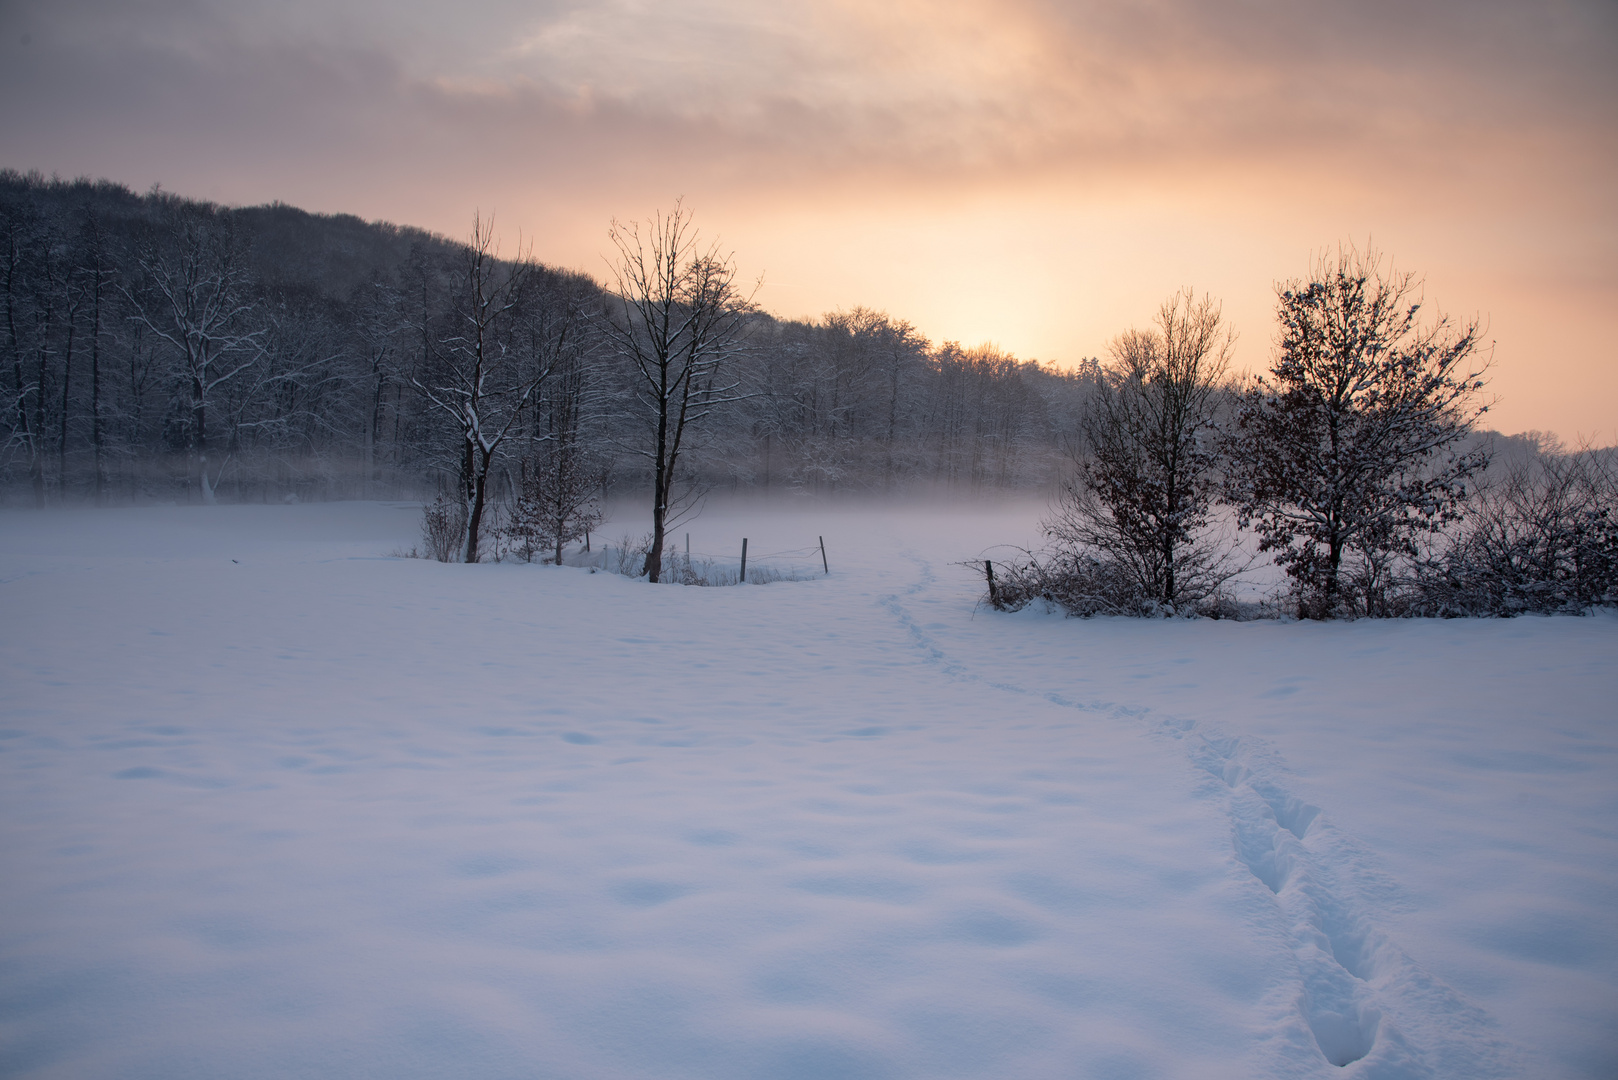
[36, 464]
[15, 345]
[95, 396]
[61, 441]
[662, 482]
[474, 518]
[199, 430]
[472, 496]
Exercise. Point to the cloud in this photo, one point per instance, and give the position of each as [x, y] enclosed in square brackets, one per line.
[1030, 170]
[961, 87]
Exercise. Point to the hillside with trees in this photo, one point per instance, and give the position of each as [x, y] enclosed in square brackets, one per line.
[159, 348]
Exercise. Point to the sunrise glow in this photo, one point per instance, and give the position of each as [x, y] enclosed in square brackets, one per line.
[1036, 174]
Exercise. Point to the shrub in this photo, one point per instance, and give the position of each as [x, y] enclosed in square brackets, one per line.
[1544, 539]
[1084, 584]
[443, 527]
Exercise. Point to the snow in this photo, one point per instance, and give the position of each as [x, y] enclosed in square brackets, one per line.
[276, 804]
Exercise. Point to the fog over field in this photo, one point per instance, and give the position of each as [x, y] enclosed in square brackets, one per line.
[731, 540]
[275, 802]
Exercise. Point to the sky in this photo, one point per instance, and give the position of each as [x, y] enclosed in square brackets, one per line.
[1040, 174]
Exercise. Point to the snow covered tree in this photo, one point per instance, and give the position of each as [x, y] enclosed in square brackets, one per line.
[20, 231]
[564, 468]
[95, 269]
[900, 349]
[680, 318]
[1350, 449]
[478, 377]
[559, 501]
[1145, 486]
[380, 333]
[193, 292]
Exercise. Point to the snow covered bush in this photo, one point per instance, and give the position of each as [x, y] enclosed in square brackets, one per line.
[1543, 539]
[1084, 584]
[1079, 583]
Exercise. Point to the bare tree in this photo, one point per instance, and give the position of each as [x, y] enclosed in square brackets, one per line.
[900, 348]
[51, 297]
[1351, 445]
[193, 294]
[563, 467]
[379, 332]
[1146, 483]
[478, 378]
[679, 318]
[19, 222]
[558, 503]
[96, 270]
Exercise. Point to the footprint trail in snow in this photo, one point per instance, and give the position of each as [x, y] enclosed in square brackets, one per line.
[1356, 990]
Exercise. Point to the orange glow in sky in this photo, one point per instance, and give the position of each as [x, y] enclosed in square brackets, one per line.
[1036, 173]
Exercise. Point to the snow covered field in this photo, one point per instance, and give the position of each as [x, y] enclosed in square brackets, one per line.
[273, 804]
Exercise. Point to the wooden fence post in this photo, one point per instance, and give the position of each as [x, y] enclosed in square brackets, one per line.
[744, 560]
[988, 570]
[823, 565]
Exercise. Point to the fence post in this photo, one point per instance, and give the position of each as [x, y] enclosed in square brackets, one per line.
[744, 560]
[988, 570]
[823, 565]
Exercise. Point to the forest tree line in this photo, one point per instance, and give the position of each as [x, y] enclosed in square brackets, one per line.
[164, 348]
[159, 348]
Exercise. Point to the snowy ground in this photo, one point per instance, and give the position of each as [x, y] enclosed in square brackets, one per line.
[273, 804]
